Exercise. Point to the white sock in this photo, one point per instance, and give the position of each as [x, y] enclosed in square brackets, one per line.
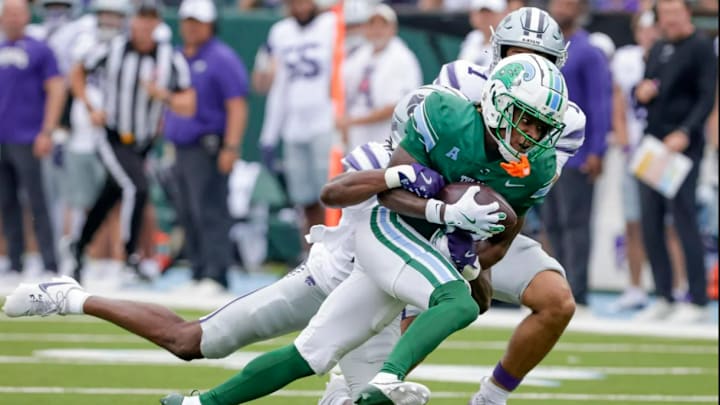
[192, 400]
[493, 393]
[385, 378]
[76, 300]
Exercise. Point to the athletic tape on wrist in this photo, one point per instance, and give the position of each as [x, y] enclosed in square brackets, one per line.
[432, 211]
[392, 177]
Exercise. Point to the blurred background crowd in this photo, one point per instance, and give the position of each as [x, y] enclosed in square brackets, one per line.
[218, 150]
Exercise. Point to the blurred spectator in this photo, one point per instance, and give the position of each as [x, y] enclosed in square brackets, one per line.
[299, 109]
[139, 77]
[207, 144]
[84, 174]
[628, 66]
[55, 29]
[678, 91]
[567, 209]
[377, 76]
[357, 14]
[31, 98]
[484, 15]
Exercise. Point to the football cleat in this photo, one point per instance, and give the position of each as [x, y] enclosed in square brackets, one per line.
[394, 393]
[40, 299]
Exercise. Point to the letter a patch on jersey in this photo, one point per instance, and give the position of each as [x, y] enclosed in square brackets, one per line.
[453, 154]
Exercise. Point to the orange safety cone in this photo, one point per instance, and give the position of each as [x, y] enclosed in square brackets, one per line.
[337, 93]
[712, 288]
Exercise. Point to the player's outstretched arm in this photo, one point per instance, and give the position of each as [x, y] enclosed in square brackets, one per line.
[361, 183]
[353, 188]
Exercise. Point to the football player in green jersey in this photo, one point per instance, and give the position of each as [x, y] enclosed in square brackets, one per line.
[509, 138]
[507, 142]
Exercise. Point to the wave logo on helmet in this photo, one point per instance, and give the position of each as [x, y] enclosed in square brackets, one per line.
[509, 75]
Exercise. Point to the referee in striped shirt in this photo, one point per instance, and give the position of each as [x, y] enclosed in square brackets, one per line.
[139, 78]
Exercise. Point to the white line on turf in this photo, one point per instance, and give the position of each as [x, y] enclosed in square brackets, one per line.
[625, 398]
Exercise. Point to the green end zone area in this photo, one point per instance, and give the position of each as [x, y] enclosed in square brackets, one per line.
[78, 360]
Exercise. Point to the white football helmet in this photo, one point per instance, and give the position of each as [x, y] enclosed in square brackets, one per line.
[536, 87]
[529, 28]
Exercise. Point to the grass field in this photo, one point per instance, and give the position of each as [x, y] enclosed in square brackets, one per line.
[78, 361]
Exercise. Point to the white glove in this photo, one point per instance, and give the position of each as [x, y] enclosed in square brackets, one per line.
[478, 219]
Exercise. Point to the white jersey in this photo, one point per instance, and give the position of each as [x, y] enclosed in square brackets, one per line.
[339, 241]
[84, 39]
[62, 39]
[476, 49]
[469, 79]
[378, 80]
[299, 106]
[628, 68]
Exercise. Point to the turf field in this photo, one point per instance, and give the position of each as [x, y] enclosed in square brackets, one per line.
[78, 360]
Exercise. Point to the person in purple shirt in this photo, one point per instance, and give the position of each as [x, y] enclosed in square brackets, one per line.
[31, 101]
[208, 143]
[568, 207]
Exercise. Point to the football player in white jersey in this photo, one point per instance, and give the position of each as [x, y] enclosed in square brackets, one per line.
[299, 108]
[282, 307]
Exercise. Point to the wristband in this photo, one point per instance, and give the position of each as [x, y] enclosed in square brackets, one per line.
[432, 211]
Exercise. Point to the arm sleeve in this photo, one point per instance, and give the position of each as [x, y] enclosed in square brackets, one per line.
[704, 85]
[599, 84]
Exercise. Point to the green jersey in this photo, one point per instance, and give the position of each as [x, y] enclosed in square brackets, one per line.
[447, 134]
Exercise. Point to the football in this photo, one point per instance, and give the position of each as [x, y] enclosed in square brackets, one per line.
[453, 191]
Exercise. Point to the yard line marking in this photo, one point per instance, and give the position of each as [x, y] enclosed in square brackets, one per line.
[315, 393]
[591, 347]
